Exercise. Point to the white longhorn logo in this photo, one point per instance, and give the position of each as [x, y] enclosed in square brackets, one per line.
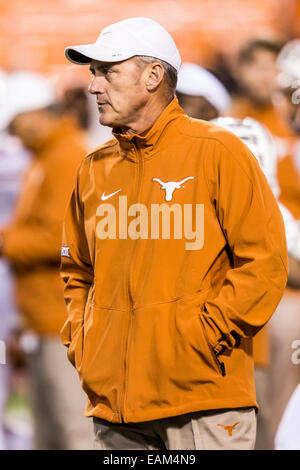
[170, 186]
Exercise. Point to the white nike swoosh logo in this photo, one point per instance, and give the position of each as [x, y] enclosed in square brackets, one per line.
[103, 197]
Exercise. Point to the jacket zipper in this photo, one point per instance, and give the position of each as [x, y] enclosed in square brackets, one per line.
[130, 302]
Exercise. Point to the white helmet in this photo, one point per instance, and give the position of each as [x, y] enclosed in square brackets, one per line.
[22, 91]
[260, 142]
[288, 62]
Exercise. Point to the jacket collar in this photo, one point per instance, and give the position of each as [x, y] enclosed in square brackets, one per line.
[148, 140]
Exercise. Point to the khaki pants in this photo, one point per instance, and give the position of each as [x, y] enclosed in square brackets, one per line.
[207, 430]
[58, 402]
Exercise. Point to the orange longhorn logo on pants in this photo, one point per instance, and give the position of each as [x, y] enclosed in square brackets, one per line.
[229, 429]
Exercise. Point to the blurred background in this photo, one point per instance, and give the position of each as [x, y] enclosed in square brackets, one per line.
[43, 97]
[33, 34]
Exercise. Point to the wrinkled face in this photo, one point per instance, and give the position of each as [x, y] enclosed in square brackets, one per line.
[259, 76]
[119, 88]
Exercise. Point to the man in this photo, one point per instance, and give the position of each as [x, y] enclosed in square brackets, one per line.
[200, 93]
[255, 71]
[13, 162]
[160, 323]
[19, 92]
[287, 99]
[31, 242]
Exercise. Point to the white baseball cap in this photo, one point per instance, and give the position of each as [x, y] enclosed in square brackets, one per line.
[196, 81]
[125, 39]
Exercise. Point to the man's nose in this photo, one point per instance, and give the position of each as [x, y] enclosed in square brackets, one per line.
[96, 86]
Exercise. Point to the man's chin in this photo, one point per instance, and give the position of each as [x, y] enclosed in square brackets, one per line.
[106, 120]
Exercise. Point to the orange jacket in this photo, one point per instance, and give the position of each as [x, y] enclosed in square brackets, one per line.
[32, 241]
[155, 329]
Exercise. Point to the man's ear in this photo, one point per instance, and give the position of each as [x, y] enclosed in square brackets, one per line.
[155, 75]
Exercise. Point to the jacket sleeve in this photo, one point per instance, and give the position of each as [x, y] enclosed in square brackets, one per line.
[251, 222]
[76, 266]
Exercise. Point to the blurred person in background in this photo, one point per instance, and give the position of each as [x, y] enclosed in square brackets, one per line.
[200, 93]
[31, 243]
[256, 72]
[285, 324]
[20, 91]
[14, 160]
[70, 85]
[74, 101]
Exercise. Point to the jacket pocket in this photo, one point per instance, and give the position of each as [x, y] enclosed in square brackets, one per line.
[75, 349]
[203, 345]
[169, 356]
[70, 335]
[73, 333]
[102, 359]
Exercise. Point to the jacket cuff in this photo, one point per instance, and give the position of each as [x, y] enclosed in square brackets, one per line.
[221, 342]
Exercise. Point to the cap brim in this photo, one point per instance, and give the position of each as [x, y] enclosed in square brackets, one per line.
[83, 55]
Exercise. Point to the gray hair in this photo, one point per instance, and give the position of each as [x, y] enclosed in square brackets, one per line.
[170, 71]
